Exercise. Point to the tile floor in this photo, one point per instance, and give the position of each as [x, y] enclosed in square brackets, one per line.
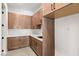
[27, 51]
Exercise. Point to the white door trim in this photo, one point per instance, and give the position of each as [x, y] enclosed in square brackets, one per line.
[4, 29]
[0, 26]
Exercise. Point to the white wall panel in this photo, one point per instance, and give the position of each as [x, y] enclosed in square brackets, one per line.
[67, 35]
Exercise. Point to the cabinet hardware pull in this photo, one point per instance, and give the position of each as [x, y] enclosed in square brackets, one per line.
[53, 5]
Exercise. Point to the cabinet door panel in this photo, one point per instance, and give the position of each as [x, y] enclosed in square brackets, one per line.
[13, 43]
[39, 48]
[33, 20]
[47, 8]
[23, 22]
[32, 43]
[11, 20]
[40, 14]
[17, 42]
[36, 45]
[19, 21]
[26, 41]
[60, 5]
[37, 19]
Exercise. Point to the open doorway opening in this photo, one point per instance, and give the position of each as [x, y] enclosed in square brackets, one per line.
[23, 38]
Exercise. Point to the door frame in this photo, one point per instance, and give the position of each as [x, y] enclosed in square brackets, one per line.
[0, 26]
[4, 30]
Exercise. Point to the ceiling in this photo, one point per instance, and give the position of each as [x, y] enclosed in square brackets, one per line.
[25, 6]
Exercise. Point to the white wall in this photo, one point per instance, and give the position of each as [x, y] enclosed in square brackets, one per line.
[67, 35]
[23, 32]
[18, 32]
[21, 11]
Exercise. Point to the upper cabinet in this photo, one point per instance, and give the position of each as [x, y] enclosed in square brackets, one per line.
[60, 5]
[11, 20]
[47, 8]
[17, 21]
[57, 10]
[37, 20]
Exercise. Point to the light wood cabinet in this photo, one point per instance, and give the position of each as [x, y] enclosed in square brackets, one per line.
[60, 5]
[63, 9]
[39, 48]
[34, 20]
[11, 20]
[24, 41]
[40, 16]
[37, 19]
[23, 22]
[17, 21]
[36, 45]
[48, 37]
[17, 42]
[47, 8]
[13, 43]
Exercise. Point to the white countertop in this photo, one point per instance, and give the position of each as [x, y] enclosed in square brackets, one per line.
[17, 35]
[33, 35]
[36, 36]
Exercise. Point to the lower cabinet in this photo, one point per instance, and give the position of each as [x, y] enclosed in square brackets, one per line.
[36, 45]
[23, 41]
[39, 48]
[17, 42]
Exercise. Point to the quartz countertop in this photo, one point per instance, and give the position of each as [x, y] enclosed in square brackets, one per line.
[37, 37]
[33, 35]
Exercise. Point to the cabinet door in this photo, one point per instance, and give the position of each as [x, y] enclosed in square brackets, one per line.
[18, 42]
[11, 20]
[37, 20]
[13, 43]
[37, 16]
[18, 21]
[24, 41]
[60, 5]
[36, 45]
[10, 44]
[40, 15]
[47, 8]
[33, 20]
[23, 22]
[32, 43]
[39, 48]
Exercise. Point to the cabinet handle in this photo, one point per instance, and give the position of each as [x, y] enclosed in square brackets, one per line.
[53, 6]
